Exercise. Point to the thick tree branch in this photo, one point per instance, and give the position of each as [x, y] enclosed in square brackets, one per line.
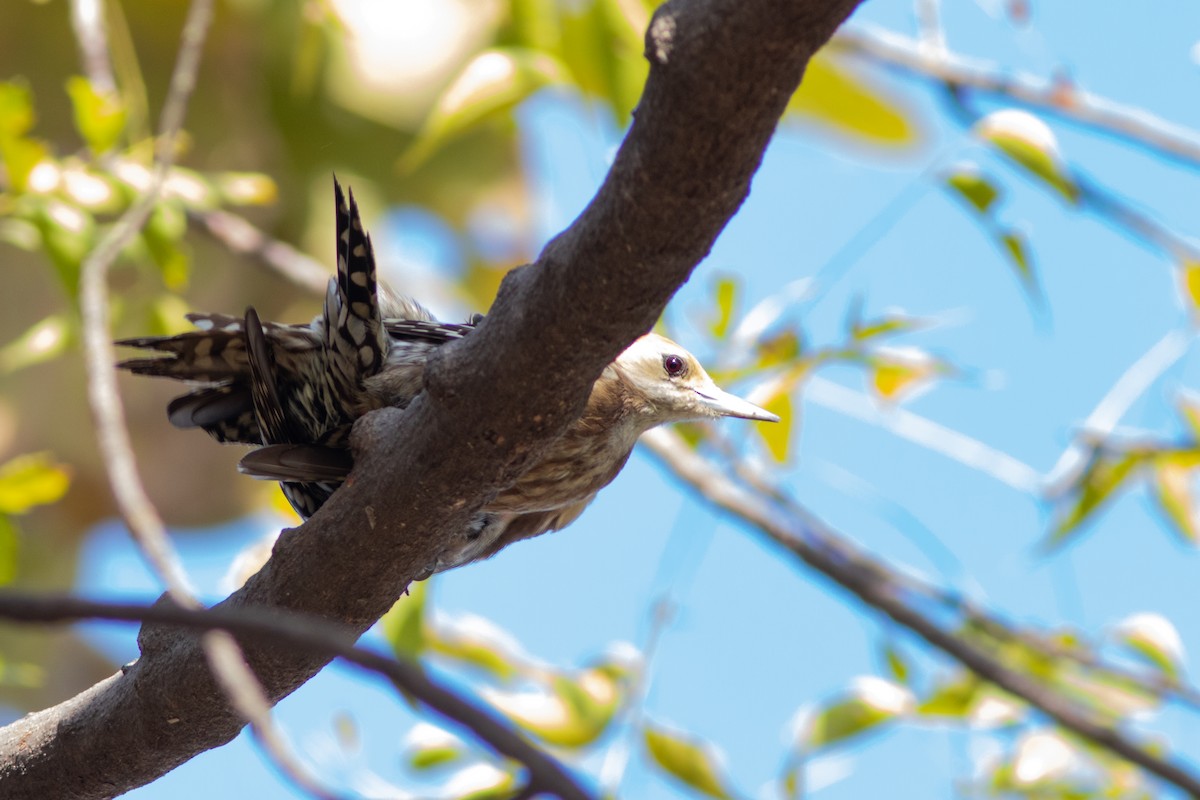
[721, 73]
[882, 588]
[320, 636]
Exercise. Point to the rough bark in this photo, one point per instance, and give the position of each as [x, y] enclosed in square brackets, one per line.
[721, 74]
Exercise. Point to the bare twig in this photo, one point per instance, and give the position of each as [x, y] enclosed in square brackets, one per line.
[143, 520]
[1134, 125]
[242, 238]
[313, 634]
[87, 18]
[878, 586]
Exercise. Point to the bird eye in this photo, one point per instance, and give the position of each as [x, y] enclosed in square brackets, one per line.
[674, 365]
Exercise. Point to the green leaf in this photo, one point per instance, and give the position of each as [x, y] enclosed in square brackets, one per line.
[489, 85]
[887, 325]
[1030, 143]
[954, 698]
[779, 348]
[43, 342]
[1172, 488]
[897, 664]
[1104, 475]
[570, 711]
[777, 436]
[16, 109]
[34, 479]
[428, 746]
[163, 235]
[10, 545]
[474, 642]
[870, 703]
[690, 760]
[725, 295]
[1155, 639]
[601, 47]
[99, 117]
[831, 94]
[1189, 276]
[977, 189]
[20, 156]
[1017, 250]
[404, 625]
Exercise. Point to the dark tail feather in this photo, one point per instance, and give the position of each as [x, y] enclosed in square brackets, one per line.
[298, 463]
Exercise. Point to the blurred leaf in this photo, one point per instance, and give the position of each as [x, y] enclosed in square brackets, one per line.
[1189, 272]
[570, 712]
[1172, 487]
[68, 235]
[1102, 477]
[163, 235]
[429, 746]
[1155, 639]
[20, 157]
[777, 436]
[10, 544]
[474, 646]
[46, 340]
[21, 674]
[1189, 409]
[601, 46]
[1017, 250]
[247, 188]
[490, 84]
[832, 94]
[953, 698]
[99, 117]
[34, 479]
[897, 664]
[1030, 143]
[886, 325]
[16, 109]
[870, 703]
[894, 376]
[779, 348]
[404, 625]
[975, 188]
[688, 759]
[534, 24]
[725, 295]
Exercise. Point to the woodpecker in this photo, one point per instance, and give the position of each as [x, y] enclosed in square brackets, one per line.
[295, 390]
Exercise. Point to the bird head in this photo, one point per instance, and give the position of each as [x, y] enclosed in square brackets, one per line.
[674, 385]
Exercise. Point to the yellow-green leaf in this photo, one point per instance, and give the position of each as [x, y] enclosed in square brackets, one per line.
[99, 116]
[1017, 251]
[690, 760]
[16, 109]
[869, 703]
[601, 46]
[490, 84]
[968, 183]
[404, 625]
[777, 436]
[44, 341]
[1173, 491]
[1030, 143]
[1100, 480]
[779, 348]
[725, 295]
[954, 698]
[1189, 275]
[10, 545]
[30, 480]
[895, 376]
[475, 642]
[570, 711]
[831, 94]
[1154, 638]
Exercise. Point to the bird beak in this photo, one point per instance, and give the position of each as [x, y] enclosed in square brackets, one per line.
[724, 404]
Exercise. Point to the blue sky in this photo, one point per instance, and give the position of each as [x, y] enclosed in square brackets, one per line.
[756, 638]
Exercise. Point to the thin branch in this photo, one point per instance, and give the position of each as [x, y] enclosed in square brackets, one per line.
[142, 518]
[242, 238]
[312, 634]
[1133, 383]
[1132, 124]
[90, 26]
[878, 587]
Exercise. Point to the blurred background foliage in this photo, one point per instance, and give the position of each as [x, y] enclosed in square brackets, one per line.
[412, 103]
